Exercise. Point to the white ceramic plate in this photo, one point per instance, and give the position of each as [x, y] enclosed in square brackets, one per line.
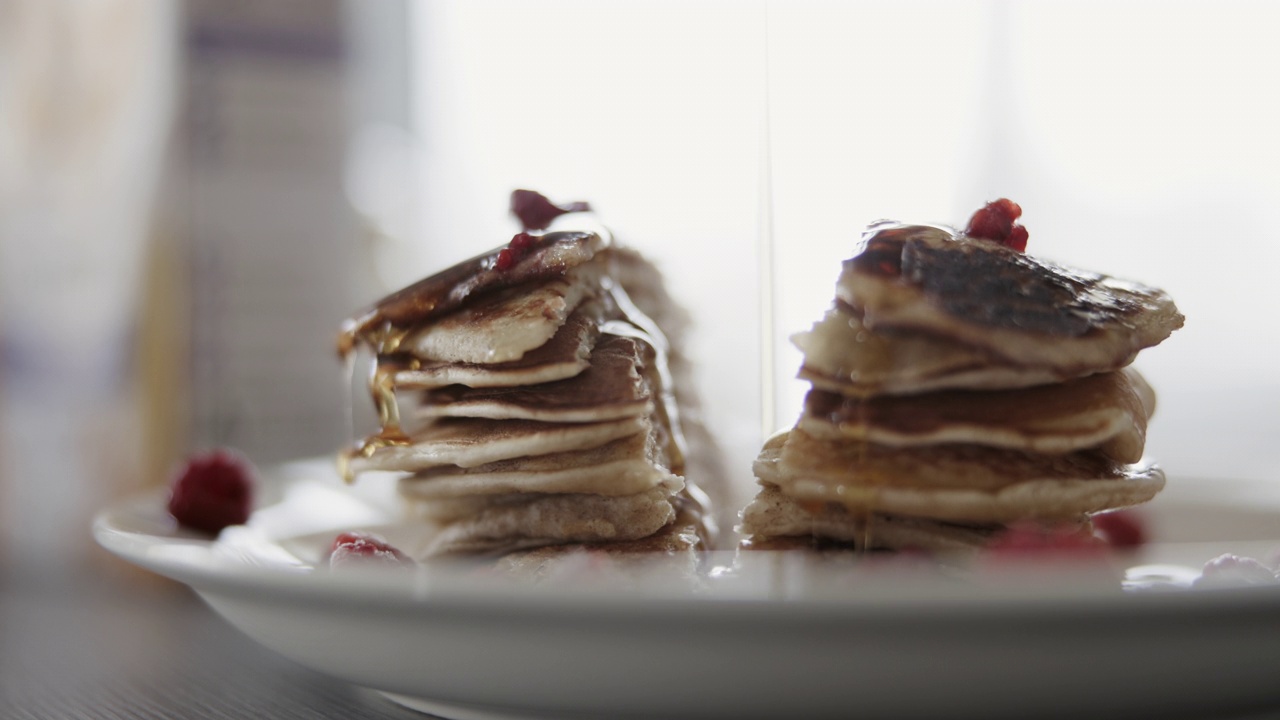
[764, 635]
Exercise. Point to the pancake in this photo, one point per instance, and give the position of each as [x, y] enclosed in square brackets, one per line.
[382, 326]
[468, 442]
[621, 467]
[842, 355]
[1006, 303]
[534, 520]
[671, 553]
[611, 387]
[960, 385]
[1108, 411]
[566, 354]
[773, 514]
[503, 326]
[546, 411]
[967, 483]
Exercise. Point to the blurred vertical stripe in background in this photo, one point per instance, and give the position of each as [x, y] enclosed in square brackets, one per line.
[87, 97]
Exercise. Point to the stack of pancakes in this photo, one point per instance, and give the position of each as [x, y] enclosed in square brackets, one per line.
[958, 386]
[529, 401]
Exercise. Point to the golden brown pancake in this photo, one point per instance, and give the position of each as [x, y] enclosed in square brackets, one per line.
[503, 326]
[386, 322]
[611, 387]
[566, 354]
[622, 467]
[773, 514]
[1108, 411]
[537, 519]
[549, 415]
[967, 483]
[468, 442]
[842, 355]
[959, 385]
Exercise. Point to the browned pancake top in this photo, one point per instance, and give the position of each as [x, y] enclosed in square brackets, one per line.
[551, 255]
[982, 282]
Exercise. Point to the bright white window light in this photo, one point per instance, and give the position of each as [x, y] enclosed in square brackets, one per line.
[1138, 136]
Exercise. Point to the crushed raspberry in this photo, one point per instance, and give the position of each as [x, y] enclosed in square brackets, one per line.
[995, 222]
[536, 212]
[1121, 528]
[1033, 538]
[522, 242]
[515, 251]
[212, 491]
[366, 549]
[506, 259]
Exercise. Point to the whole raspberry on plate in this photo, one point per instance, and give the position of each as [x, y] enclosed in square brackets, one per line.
[1120, 528]
[213, 490]
[366, 549]
[1029, 538]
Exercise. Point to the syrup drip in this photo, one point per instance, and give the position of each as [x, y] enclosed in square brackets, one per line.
[642, 327]
[382, 390]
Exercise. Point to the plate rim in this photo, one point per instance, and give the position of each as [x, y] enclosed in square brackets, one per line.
[199, 567]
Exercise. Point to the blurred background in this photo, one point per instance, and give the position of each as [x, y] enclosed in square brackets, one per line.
[193, 195]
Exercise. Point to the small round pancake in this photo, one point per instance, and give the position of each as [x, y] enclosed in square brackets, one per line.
[671, 553]
[843, 355]
[529, 521]
[469, 442]
[1108, 411]
[772, 514]
[964, 483]
[622, 467]
[979, 293]
[504, 326]
[566, 354]
[611, 387]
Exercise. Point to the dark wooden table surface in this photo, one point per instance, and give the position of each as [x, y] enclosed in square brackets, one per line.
[117, 644]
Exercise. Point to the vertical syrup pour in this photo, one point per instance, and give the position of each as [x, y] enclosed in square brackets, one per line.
[764, 246]
[348, 398]
[384, 341]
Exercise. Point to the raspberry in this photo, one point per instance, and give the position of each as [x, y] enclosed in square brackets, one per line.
[1121, 528]
[536, 212]
[1017, 238]
[522, 242]
[1028, 537]
[515, 251]
[366, 549]
[212, 491]
[995, 222]
[506, 259]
